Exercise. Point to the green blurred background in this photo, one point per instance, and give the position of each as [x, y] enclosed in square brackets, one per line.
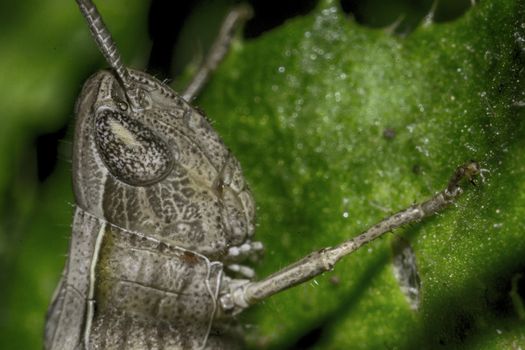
[45, 56]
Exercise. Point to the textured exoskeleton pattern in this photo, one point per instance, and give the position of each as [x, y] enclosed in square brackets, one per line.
[192, 196]
[160, 200]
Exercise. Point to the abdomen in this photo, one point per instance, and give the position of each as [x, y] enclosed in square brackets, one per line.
[150, 295]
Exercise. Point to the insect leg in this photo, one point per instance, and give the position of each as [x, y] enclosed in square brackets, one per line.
[243, 270]
[235, 18]
[323, 260]
[247, 249]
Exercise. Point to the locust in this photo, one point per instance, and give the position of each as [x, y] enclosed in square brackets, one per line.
[164, 219]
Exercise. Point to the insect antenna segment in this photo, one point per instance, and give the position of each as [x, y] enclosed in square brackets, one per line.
[107, 46]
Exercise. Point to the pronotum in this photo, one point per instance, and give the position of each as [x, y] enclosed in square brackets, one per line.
[164, 218]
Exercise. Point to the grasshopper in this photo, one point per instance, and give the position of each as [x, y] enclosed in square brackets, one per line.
[162, 208]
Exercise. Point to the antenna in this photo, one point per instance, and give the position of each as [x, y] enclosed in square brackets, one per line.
[105, 43]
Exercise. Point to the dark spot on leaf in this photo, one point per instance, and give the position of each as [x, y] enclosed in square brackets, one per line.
[416, 169]
[389, 133]
[335, 280]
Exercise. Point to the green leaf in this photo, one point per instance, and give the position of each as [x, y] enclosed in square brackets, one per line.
[337, 126]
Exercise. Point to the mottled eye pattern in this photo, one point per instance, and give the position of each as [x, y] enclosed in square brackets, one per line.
[131, 151]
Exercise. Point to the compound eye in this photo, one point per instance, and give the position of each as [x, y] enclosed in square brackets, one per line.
[130, 150]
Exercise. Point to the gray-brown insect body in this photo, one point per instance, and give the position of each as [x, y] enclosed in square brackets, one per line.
[160, 200]
[159, 169]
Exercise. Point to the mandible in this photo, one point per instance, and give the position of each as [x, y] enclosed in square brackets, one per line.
[164, 219]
